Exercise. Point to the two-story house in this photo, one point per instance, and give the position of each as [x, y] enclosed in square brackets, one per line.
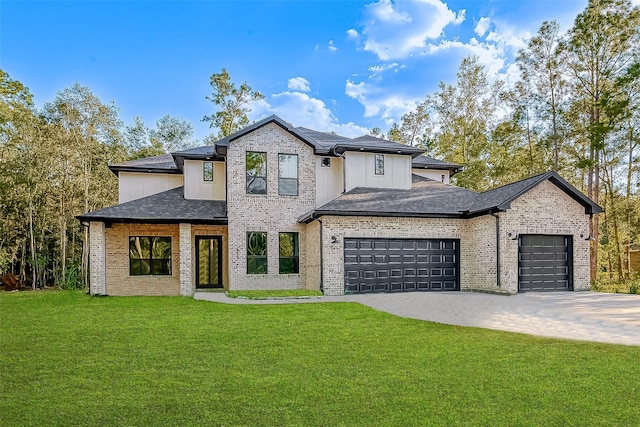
[280, 207]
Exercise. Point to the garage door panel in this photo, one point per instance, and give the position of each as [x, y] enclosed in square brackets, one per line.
[544, 263]
[413, 264]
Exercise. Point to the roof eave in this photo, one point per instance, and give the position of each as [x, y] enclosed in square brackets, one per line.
[134, 169]
[305, 219]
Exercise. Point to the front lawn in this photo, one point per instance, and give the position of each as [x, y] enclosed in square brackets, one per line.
[70, 359]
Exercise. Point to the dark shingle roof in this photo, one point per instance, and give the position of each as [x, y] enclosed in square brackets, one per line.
[158, 164]
[426, 198]
[500, 198]
[168, 207]
[426, 162]
[429, 198]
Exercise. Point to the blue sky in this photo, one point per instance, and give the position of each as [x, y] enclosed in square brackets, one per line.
[342, 66]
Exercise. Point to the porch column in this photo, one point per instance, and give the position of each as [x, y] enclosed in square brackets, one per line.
[186, 284]
[97, 259]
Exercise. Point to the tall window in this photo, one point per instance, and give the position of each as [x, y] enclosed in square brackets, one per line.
[289, 253]
[379, 164]
[288, 174]
[207, 171]
[149, 255]
[256, 252]
[256, 172]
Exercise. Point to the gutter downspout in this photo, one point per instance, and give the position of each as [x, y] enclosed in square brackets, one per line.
[321, 260]
[497, 248]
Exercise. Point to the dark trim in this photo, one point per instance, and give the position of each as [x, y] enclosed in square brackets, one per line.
[220, 266]
[307, 218]
[340, 149]
[117, 169]
[321, 259]
[109, 220]
[498, 279]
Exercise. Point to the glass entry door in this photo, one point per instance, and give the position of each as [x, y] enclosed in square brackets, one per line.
[209, 262]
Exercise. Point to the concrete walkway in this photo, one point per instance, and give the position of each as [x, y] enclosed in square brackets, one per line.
[589, 316]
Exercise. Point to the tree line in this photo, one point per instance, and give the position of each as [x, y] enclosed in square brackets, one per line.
[574, 109]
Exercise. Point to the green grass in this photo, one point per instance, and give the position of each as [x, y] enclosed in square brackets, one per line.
[622, 286]
[70, 359]
[285, 293]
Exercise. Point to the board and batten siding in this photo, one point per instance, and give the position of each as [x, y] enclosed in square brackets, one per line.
[136, 185]
[195, 187]
[360, 171]
[329, 180]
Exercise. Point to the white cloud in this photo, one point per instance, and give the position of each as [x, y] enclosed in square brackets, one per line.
[378, 102]
[490, 55]
[482, 26]
[299, 83]
[399, 29]
[300, 109]
[352, 34]
[331, 46]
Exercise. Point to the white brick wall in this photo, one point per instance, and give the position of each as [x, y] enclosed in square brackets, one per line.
[269, 213]
[97, 259]
[186, 277]
[543, 210]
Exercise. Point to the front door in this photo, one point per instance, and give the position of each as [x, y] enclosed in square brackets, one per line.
[208, 262]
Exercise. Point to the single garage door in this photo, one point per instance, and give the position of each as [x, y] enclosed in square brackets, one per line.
[398, 265]
[544, 263]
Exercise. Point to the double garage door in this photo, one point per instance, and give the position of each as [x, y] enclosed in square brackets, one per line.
[400, 265]
[544, 263]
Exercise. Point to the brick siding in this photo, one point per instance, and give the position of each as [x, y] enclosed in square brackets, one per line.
[118, 280]
[270, 213]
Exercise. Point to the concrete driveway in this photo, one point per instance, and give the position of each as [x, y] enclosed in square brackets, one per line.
[589, 316]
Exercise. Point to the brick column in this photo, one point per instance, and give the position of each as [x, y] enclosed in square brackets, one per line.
[186, 284]
[97, 259]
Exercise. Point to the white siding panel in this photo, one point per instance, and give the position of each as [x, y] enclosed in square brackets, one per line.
[361, 171]
[329, 180]
[135, 185]
[434, 174]
[196, 188]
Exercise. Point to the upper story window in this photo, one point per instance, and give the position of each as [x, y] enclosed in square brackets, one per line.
[325, 162]
[149, 255]
[379, 164]
[207, 171]
[288, 174]
[256, 172]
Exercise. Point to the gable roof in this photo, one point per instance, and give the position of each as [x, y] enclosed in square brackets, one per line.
[500, 198]
[324, 142]
[429, 198]
[167, 207]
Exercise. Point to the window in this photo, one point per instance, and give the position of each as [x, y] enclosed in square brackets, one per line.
[207, 171]
[289, 253]
[379, 164]
[256, 173]
[256, 252]
[149, 256]
[288, 174]
[325, 162]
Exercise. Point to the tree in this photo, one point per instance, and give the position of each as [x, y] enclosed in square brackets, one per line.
[543, 74]
[600, 47]
[464, 115]
[83, 137]
[172, 134]
[233, 103]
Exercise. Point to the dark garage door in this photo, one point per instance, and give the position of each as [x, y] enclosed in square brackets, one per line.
[544, 263]
[397, 265]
